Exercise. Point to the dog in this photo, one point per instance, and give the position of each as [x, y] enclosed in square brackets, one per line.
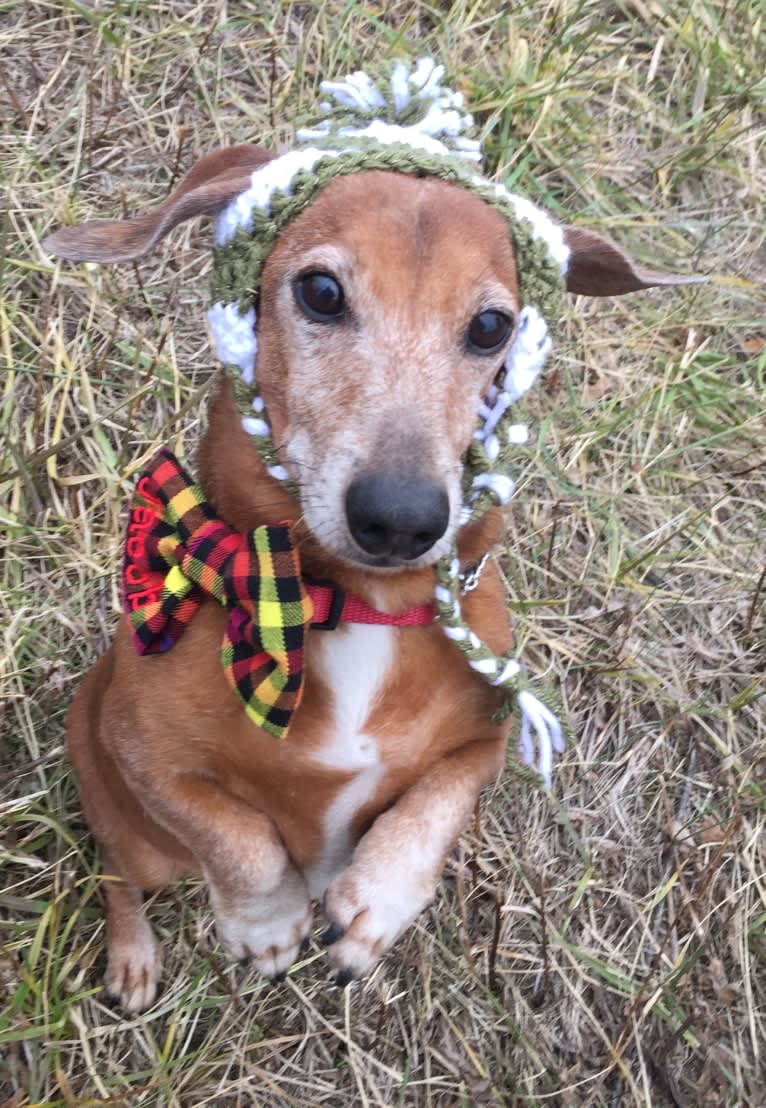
[385, 309]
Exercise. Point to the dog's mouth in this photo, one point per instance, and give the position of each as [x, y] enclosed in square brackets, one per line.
[388, 563]
[395, 555]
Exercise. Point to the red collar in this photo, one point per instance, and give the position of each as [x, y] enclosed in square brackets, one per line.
[333, 606]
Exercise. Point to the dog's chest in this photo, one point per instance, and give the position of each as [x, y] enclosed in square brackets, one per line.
[354, 662]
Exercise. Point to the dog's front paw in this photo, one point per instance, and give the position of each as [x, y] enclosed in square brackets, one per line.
[367, 909]
[267, 929]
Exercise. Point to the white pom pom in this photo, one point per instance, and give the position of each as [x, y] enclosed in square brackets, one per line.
[518, 434]
[256, 427]
[500, 483]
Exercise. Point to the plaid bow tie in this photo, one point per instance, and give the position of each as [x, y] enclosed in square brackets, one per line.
[178, 552]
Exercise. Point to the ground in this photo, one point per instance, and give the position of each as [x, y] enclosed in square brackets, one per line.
[602, 945]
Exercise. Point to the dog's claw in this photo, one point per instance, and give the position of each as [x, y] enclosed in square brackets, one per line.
[332, 934]
[345, 977]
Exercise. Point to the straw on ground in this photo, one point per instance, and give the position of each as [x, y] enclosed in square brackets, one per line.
[602, 947]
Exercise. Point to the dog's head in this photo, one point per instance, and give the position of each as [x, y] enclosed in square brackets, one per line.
[387, 308]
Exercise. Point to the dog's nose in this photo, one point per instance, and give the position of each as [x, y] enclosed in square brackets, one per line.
[396, 516]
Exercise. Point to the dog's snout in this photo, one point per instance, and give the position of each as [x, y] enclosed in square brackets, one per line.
[394, 516]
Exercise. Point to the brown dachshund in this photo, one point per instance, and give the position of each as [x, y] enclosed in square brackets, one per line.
[386, 755]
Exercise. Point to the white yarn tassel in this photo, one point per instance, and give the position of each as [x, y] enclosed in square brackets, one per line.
[234, 336]
[550, 736]
[526, 357]
[356, 91]
[500, 483]
[400, 87]
[426, 77]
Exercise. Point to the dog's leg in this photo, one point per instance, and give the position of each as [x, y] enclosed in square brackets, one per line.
[134, 958]
[129, 862]
[260, 900]
[397, 865]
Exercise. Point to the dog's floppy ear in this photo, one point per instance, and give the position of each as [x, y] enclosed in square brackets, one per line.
[213, 181]
[599, 268]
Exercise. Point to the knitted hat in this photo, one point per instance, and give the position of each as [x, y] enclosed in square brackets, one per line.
[404, 122]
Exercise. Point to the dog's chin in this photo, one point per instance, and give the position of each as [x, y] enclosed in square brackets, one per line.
[384, 565]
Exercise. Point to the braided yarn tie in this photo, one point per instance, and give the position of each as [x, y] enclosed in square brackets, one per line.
[537, 711]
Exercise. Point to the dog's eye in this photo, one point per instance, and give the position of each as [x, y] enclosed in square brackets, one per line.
[319, 296]
[488, 331]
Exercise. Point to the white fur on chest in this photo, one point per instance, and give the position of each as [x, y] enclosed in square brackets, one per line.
[354, 660]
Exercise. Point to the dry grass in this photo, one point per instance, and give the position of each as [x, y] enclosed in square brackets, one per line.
[604, 947]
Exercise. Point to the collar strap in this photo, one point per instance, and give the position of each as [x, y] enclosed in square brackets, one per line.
[333, 606]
